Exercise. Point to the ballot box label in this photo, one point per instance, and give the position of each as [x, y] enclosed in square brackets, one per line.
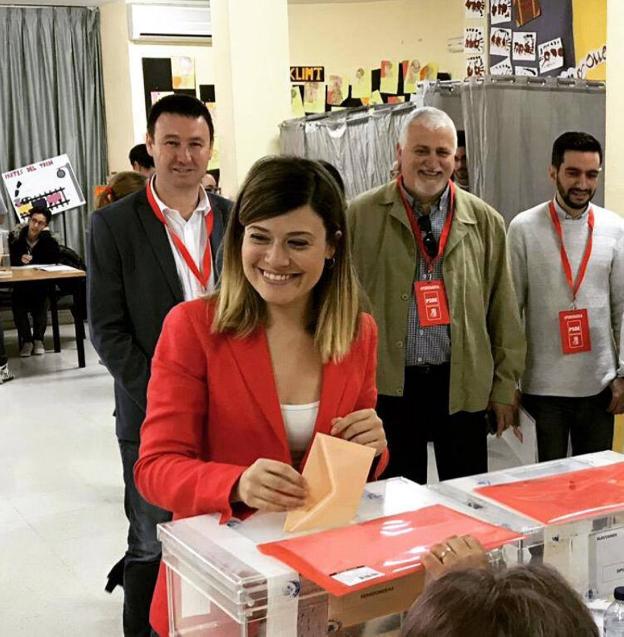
[357, 575]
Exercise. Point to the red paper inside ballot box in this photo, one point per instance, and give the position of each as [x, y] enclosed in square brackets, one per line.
[355, 557]
[566, 497]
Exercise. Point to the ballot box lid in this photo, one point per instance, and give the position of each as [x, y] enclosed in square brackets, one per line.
[468, 490]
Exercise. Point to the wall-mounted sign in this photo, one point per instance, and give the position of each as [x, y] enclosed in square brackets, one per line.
[307, 73]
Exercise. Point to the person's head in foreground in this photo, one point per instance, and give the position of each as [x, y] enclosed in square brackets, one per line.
[523, 601]
[286, 251]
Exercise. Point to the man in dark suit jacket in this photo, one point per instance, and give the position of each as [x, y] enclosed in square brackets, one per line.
[147, 253]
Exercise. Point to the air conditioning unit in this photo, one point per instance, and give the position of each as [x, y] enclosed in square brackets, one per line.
[170, 23]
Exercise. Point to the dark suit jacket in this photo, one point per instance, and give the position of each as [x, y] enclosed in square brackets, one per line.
[132, 283]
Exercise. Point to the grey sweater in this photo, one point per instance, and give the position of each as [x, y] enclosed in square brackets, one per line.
[543, 291]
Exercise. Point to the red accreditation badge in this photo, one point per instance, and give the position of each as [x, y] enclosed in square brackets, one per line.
[574, 328]
[431, 302]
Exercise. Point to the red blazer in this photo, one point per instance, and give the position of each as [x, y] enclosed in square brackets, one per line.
[213, 410]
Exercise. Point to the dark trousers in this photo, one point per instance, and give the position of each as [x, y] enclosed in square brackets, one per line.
[3, 355]
[584, 421]
[30, 298]
[143, 555]
[422, 414]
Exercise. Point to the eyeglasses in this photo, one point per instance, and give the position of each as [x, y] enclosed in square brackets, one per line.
[429, 241]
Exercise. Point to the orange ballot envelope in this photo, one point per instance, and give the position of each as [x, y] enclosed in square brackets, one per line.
[336, 471]
[564, 497]
[357, 556]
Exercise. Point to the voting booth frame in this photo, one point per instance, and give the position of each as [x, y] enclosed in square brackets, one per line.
[221, 585]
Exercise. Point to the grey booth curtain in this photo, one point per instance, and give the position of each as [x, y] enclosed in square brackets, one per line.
[52, 98]
[510, 128]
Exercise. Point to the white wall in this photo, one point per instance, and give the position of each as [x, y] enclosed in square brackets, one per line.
[123, 80]
[345, 36]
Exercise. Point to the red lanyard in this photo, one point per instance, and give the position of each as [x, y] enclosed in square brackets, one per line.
[204, 276]
[446, 230]
[565, 262]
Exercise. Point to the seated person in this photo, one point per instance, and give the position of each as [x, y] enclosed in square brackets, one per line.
[467, 599]
[241, 381]
[34, 245]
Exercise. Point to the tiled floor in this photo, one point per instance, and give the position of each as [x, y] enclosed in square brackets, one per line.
[61, 508]
[61, 502]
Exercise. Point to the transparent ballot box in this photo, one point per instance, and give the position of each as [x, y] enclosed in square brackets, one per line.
[570, 511]
[220, 584]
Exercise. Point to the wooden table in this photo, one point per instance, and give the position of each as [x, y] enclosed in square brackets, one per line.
[26, 275]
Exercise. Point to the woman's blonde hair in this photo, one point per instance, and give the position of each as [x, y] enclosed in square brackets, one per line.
[273, 187]
[120, 185]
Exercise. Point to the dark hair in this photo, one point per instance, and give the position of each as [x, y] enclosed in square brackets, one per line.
[524, 601]
[40, 209]
[334, 172]
[139, 155]
[179, 104]
[580, 142]
[461, 139]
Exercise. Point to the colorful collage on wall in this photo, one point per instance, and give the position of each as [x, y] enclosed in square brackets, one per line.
[314, 91]
[539, 38]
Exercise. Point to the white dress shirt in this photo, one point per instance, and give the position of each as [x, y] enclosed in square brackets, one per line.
[192, 233]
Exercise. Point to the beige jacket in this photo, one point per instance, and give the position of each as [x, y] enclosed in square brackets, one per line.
[487, 341]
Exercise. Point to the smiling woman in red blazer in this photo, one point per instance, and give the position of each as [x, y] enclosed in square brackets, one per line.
[243, 380]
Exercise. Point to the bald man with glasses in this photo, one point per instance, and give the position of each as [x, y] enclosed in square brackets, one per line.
[433, 262]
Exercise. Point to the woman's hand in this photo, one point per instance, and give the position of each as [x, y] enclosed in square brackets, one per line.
[455, 552]
[364, 427]
[269, 485]
[26, 259]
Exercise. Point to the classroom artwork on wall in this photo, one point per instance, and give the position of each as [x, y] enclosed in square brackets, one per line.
[182, 72]
[411, 75]
[474, 8]
[159, 75]
[361, 86]
[313, 90]
[389, 77]
[538, 38]
[51, 182]
[207, 95]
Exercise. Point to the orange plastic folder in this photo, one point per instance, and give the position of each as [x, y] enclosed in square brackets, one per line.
[355, 557]
[565, 497]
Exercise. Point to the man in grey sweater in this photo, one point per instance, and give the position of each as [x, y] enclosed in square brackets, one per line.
[567, 258]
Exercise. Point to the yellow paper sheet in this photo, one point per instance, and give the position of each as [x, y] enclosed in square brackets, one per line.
[429, 72]
[337, 90]
[296, 103]
[361, 86]
[336, 473]
[182, 72]
[314, 97]
[376, 98]
[411, 75]
[389, 77]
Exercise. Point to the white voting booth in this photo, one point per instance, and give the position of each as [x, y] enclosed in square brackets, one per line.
[221, 585]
